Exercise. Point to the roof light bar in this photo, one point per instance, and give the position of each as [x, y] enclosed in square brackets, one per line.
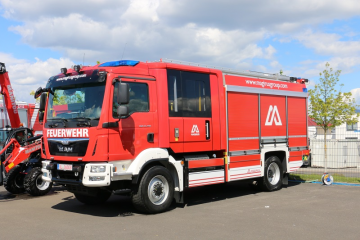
[119, 63]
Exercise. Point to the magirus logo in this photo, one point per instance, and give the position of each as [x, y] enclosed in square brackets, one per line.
[273, 116]
[195, 131]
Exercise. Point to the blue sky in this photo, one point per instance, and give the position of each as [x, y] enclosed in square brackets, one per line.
[39, 37]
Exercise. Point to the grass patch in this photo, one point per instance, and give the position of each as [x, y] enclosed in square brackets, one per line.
[317, 178]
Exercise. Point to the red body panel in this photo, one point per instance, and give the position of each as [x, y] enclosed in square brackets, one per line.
[245, 161]
[195, 135]
[206, 163]
[262, 83]
[162, 109]
[176, 143]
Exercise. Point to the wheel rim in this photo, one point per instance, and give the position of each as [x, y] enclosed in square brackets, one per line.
[40, 184]
[273, 174]
[158, 190]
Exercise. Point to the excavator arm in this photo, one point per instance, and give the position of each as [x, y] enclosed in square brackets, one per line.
[8, 97]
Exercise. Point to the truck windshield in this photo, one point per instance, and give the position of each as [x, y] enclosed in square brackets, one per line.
[76, 102]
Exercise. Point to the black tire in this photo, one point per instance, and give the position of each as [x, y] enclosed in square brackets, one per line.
[273, 175]
[100, 197]
[161, 182]
[14, 182]
[34, 185]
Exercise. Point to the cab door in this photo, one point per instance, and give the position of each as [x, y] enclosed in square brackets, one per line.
[190, 117]
[136, 131]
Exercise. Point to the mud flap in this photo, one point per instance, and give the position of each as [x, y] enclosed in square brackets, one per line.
[179, 196]
[285, 180]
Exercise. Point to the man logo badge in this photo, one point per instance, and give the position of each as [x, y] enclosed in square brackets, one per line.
[65, 142]
[65, 149]
[273, 116]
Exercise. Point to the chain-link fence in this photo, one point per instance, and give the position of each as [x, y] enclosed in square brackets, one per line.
[343, 155]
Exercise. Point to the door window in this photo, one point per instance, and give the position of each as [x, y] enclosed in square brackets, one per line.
[139, 98]
[189, 94]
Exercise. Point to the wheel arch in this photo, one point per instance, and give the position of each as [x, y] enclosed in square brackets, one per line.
[282, 155]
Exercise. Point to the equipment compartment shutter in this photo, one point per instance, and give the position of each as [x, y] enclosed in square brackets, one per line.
[297, 122]
[273, 116]
[243, 117]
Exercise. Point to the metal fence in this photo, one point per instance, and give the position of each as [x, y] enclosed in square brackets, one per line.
[343, 156]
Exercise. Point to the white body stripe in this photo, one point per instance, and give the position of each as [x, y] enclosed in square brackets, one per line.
[295, 165]
[245, 172]
[206, 178]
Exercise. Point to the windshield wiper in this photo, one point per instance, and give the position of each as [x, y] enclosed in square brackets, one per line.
[56, 124]
[83, 121]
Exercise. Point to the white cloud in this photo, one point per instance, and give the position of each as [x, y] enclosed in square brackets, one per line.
[328, 44]
[26, 76]
[188, 30]
[222, 33]
[356, 94]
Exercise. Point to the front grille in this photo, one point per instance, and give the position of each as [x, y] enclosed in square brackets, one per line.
[67, 175]
[75, 148]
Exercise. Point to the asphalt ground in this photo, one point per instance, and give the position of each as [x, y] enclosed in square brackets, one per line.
[226, 211]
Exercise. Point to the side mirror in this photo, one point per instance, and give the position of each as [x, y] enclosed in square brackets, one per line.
[41, 116]
[38, 92]
[123, 96]
[122, 110]
[42, 102]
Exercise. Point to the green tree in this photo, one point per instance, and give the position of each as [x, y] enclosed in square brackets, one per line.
[32, 93]
[330, 107]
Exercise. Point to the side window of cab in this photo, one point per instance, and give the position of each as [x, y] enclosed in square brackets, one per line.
[139, 98]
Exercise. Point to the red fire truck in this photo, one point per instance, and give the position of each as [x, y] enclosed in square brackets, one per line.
[154, 129]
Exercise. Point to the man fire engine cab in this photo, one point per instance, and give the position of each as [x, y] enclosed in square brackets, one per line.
[153, 129]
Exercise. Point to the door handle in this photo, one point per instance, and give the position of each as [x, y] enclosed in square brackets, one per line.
[207, 129]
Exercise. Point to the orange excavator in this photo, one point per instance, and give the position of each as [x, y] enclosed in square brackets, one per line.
[20, 168]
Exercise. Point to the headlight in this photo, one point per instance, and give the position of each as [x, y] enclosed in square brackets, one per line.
[98, 169]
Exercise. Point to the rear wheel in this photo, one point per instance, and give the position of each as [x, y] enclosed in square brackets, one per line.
[273, 175]
[156, 191]
[14, 182]
[100, 197]
[34, 184]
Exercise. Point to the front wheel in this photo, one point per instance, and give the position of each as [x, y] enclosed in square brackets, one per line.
[155, 192]
[14, 182]
[273, 175]
[34, 184]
